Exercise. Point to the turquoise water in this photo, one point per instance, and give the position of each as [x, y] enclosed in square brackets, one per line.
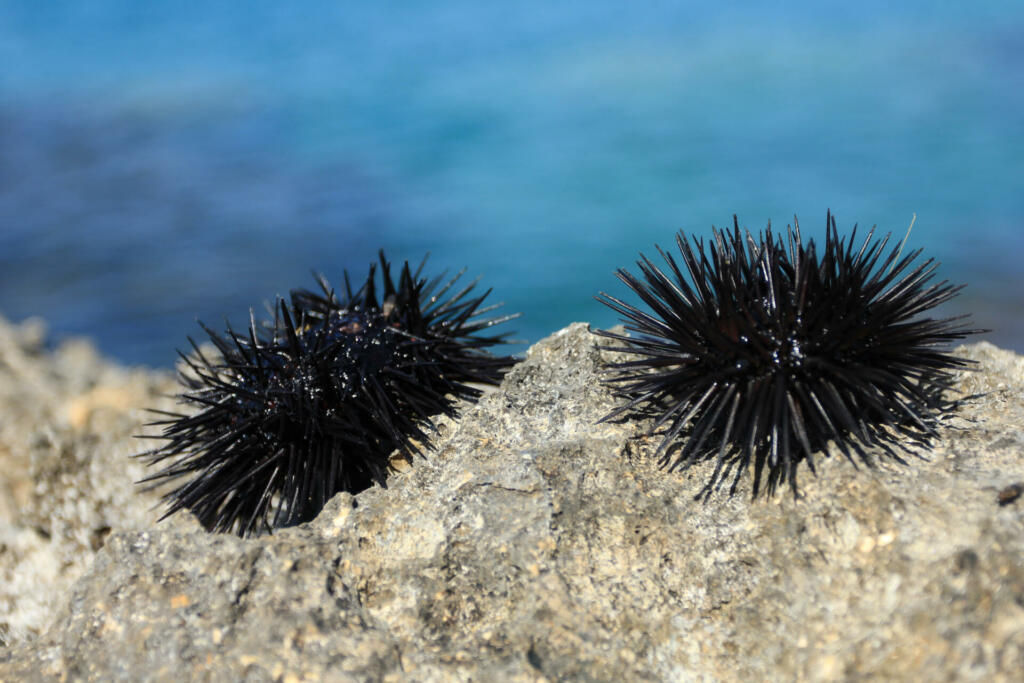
[162, 162]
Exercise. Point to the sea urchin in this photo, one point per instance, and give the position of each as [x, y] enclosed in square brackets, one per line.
[766, 352]
[291, 412]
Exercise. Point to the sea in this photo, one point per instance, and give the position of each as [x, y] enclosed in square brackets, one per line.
[163, 163]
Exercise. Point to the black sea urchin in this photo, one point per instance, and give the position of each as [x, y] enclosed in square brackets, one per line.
[765, 353]
[316, 403]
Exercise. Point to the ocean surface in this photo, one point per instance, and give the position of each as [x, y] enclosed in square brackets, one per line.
[163, 162]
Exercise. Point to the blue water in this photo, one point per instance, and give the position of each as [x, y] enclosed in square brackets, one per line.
[162, 162]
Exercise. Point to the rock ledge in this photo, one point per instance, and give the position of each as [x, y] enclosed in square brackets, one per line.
[533, 545]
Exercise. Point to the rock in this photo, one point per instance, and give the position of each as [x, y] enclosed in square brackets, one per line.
[533, 544]
[67, 421]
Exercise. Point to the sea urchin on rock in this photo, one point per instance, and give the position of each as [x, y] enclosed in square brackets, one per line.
[765, 352]
[317, 402]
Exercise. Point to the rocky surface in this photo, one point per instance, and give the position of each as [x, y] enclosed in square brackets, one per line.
[67, 420]
[531, 544]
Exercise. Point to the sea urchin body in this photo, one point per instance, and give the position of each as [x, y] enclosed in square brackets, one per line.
[292, 412]
[766, 352]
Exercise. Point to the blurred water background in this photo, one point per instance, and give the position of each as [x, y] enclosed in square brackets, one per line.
[167, 161]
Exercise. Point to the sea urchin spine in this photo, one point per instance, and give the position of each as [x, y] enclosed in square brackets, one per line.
[762, 352]
[315, 403]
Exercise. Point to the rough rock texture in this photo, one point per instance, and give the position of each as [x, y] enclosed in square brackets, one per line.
[66, 423]
[535, 545]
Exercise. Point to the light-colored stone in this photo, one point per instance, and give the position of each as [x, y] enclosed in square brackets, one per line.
[533, 544]
[67, 423]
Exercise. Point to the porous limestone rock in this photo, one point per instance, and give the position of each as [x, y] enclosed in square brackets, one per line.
[67, 423]
[534, 544]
